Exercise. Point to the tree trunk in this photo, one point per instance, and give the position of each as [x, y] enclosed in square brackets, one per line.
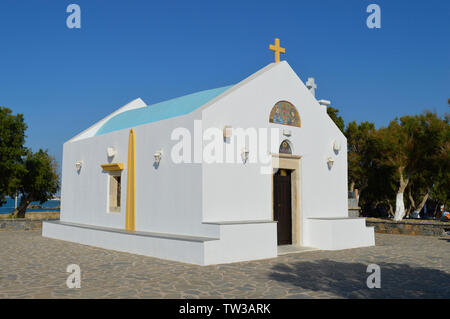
[414, 207]
[423, 202]
[352, 186]
[22, 209]
[408, 212]
[360, 190]
[435, 209]
[411, 199]
[391, 210]
[399, 207]
[411, 207]
[399, 203]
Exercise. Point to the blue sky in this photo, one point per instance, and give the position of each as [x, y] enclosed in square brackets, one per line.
[64, 80]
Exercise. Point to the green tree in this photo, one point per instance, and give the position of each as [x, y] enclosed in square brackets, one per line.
[12, 139]
[440, 190]
[409, 146]
[337, 119]
[360, 152]
[39, 180]
[379, 196]
[397, 146]
[431, 137]
[366, 171]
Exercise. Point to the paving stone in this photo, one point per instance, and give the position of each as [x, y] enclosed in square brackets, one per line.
[411, 267]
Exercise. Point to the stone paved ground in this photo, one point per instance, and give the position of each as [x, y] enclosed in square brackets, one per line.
[411, 267]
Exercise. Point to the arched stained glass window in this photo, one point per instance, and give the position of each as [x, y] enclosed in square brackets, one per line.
[285, 113]
[285, 147]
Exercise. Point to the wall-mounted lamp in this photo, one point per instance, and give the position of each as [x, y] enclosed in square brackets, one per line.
[287, 132]
[158, 156]
[78, 165]
[330, 162]
[111, 151]
[227, 132]
[244, 154]
[336, 146]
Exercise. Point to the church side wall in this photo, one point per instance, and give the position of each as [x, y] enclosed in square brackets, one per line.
[241, 192]
[84, 192]
[168, 198]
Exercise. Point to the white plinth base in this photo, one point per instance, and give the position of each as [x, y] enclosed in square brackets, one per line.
[338, 233]
[237, 242]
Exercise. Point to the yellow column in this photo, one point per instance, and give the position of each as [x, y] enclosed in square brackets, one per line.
[130, 217]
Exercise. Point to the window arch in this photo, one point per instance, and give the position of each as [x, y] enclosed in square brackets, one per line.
[285, 147]
[285, 113]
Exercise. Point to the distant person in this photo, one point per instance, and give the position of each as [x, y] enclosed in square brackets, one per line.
[444, 215]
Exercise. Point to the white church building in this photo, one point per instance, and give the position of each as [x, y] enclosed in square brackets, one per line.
[217, 176]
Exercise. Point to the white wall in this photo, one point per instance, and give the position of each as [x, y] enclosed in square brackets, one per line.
[172, 249]
[176, 198]
[84, 193]
[240, 192]
[168, 198]
[338, 233]
[242, 242]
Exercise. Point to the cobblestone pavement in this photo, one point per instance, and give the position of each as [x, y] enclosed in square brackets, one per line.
[411, 267]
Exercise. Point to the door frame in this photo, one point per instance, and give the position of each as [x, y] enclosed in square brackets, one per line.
[292, 163]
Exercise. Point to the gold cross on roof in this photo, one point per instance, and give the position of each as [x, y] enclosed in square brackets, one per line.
[277, 49]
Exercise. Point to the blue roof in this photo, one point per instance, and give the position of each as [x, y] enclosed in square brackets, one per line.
[160, 111]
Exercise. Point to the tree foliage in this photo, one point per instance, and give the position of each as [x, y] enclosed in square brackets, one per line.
[39, 180]
[408, 157]
[12, 139]
[440, 189]
[32, 176]
[360, 139]
[337, 119]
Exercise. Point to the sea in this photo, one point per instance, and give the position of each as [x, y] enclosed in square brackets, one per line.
[51, 205]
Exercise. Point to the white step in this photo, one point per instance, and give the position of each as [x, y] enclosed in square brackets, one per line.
[189, 249]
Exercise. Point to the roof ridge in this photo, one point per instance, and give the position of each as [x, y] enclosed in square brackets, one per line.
[185, 95]
[163, 110]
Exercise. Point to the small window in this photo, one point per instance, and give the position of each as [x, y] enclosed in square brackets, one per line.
[114, 193]
[285, 147]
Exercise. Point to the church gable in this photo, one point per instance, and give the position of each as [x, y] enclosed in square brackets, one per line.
[276, 96]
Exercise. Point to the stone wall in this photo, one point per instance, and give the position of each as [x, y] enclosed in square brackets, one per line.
[409, 227]
[15, 224]
[353, 211]
[35, 215]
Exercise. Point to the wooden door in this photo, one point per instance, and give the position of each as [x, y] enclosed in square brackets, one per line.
[282, 206]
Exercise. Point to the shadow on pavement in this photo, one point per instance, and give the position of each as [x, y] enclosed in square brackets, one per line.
[348, 280]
